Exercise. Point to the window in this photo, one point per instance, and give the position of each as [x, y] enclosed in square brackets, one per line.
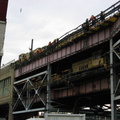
[1, 84]
[6, 82]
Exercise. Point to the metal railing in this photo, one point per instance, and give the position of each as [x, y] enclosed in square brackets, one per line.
[108, 12]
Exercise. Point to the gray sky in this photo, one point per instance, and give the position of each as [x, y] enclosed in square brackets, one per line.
[43, 21]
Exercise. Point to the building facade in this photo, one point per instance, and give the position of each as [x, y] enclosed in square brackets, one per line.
[6, 91]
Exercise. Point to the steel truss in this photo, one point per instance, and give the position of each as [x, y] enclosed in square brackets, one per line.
[23, 90]
[114, 80]
[116, 50]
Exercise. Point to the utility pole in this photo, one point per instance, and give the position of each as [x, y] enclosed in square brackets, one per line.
[31, 49]
[31, 45]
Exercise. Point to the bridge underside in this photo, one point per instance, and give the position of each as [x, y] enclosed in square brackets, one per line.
[75, 91]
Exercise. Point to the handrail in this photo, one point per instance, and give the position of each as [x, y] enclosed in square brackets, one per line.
[107, 12]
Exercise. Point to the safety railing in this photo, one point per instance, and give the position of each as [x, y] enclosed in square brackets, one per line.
[108, 12]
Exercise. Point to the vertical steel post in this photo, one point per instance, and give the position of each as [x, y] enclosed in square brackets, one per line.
[28, 96]
[48, 106]
[112, 80]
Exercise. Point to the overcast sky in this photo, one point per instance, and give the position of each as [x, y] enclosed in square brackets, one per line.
[43, 21]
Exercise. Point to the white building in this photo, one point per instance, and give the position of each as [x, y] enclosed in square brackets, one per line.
[3, 12]
[2, 36]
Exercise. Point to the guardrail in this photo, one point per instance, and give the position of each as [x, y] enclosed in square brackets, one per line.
[108, 12]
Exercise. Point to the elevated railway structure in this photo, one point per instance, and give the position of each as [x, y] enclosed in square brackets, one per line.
[73, 73]
[3, 12]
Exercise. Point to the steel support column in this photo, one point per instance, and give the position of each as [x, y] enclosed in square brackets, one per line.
[112, 82]
[48, 104]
